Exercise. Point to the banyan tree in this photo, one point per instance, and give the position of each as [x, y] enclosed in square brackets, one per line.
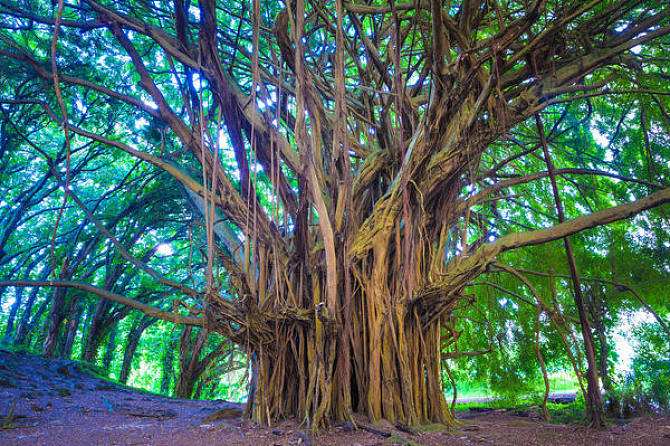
[352, 163]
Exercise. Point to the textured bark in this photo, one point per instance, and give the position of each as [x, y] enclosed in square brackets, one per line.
[132, 342]
[393, 371]
[72, 327]
[167, 372]
[95, 332]
[189, 362]
[55, 322]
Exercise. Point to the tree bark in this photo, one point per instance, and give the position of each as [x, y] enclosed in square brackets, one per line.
[193, 363]
[132, 342]
[394, 368]
[598, 311]
[110, 349]
[56, 318]
[72, 326]
[27, 328]
[167, 373]
[95, 332]
[190, 367]
[24, 322]
[398, 377]
[18, 299]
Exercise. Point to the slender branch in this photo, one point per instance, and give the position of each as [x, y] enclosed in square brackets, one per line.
[108, 295]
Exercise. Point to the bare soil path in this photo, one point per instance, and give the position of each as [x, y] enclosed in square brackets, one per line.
[58, 402]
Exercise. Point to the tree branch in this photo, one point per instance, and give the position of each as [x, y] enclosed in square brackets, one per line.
[108, 295]
[439, 295]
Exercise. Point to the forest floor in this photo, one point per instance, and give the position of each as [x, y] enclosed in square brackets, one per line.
[59, 402]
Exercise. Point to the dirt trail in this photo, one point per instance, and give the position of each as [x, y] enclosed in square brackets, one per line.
[57, 402]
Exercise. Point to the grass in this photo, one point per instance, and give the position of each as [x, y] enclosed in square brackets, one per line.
[398, 440]
[559, 382]
[15, 348]
[469, 390]
[432, 427]
[572, 413]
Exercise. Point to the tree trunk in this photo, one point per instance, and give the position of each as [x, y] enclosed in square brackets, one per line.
[598, 311]
[95, 332]
[18, 298]
[56, 318]
[18, 295]
[185, 384]
[399, 381]
[393, 367]
[132, 342]
[594, 405]
[167, 372]
[190, 367]
[72, 326]
[198, 390]
[28, 324]
[24, 322]
[110, 349]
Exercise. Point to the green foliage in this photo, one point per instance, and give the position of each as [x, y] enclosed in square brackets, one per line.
[646, 387]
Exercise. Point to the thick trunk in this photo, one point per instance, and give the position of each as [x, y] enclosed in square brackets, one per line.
[190, 366]
[399, 379]
[56, 318]
[132, 342]
[95, 332]
[185, 384]
[375, 355]
[72, 326]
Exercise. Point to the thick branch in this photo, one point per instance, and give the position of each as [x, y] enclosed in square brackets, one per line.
[433, 299]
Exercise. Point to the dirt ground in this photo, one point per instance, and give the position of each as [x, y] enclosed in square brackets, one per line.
[57, 402]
